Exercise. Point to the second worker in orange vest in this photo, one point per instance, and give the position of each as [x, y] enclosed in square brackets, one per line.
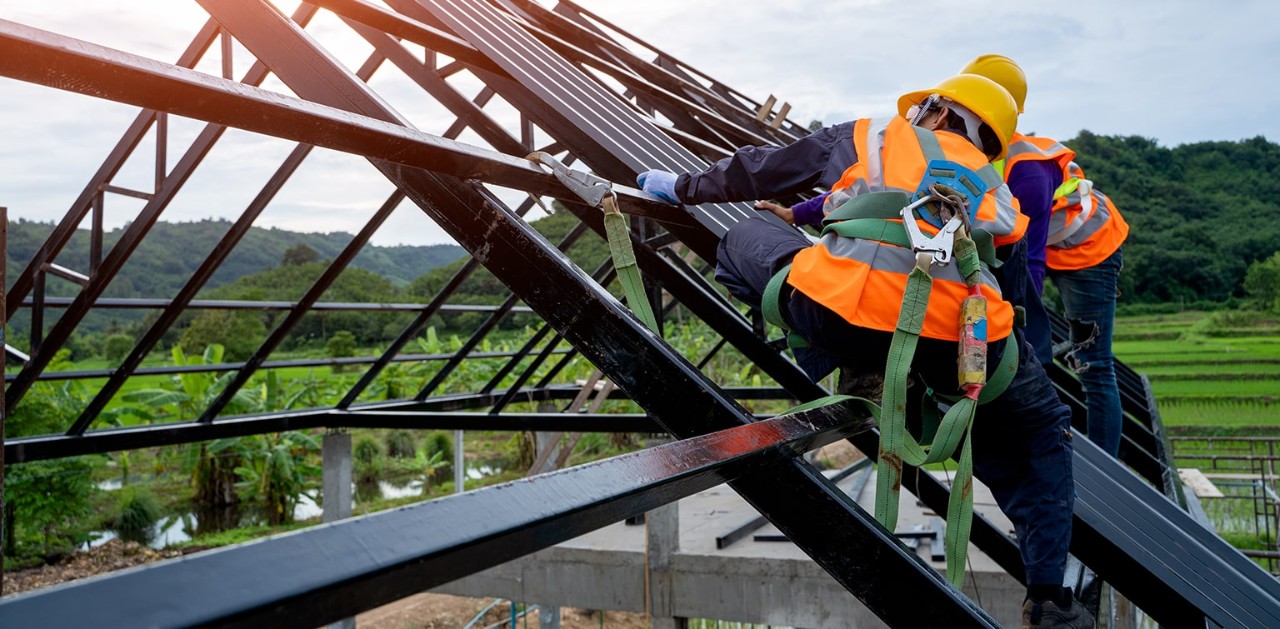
[1076, 233]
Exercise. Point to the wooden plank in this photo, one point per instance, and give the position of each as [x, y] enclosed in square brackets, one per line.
[1199, 483]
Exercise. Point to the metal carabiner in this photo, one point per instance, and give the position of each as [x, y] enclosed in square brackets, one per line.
[939, 246]
[592, 189]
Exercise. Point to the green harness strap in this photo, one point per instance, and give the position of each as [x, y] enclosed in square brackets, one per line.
[624, 261]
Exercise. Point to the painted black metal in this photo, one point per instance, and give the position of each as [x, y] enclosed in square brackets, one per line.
[187, 293]
[386, 415]
[125, 244]
[485, 327]
[329, 572]
[691, 289]
[633, 357]
[91, 197]
[610, 336]
[103, 72]
[136, 303]
[1155, 554]
[743, 530]
[126, 78]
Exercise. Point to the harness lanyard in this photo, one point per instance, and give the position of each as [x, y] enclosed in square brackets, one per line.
[897, 446]
[598, 193]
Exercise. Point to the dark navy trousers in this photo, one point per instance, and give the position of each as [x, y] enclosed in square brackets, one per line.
[1021, 440]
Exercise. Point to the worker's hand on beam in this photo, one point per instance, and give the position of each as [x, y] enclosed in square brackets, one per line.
[659, 183]
[779, 211]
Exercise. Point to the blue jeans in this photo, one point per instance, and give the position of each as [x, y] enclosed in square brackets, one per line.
[1021, 440]
[1089, 299]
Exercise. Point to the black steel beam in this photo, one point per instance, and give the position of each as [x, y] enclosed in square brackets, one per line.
[313, 577]
[89, 374]
[82, 67]
[142, 303]
[1157, 556]
[675, 393]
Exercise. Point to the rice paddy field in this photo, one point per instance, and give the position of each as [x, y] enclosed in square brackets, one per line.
[1211, 370]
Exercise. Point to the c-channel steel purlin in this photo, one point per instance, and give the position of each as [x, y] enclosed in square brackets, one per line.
[616, 342]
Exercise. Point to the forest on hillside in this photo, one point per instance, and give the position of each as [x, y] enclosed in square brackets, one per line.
[1199, 214]
[171, 252]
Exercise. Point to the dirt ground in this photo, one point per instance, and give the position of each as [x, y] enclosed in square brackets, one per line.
[423, 611]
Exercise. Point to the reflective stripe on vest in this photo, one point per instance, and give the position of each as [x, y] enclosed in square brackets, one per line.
[1093, 240]
[893, 156]
[1033, 148]
[838, 272]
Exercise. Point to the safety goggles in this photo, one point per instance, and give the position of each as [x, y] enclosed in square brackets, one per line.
[972, 123]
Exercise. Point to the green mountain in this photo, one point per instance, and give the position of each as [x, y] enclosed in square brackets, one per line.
[1199, 214]
[171, 252]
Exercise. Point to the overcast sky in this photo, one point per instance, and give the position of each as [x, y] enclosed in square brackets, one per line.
[1176, 71]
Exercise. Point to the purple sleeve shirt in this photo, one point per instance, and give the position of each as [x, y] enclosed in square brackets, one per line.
[1033, 183]
[809, 211]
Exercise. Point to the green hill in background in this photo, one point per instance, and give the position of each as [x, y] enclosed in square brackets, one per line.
[1199, 214]
[171, 253]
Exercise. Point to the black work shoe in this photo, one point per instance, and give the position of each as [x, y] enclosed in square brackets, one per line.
[1048, 615]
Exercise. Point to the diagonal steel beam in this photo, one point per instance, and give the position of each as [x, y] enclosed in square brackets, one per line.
[672, 390]
[78, 66]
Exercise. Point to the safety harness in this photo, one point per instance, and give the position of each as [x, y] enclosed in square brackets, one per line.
[944, 199]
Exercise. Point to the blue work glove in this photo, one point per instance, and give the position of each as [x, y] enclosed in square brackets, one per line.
[659, 183]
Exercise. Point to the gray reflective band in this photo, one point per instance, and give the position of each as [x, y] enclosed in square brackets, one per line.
[929, 144]
[893, 259]
[1101, 214]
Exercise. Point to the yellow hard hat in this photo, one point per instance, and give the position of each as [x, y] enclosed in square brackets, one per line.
[1002, 70]
[985, 98]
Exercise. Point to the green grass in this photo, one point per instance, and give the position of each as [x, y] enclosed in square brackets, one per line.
[1203, 372]
[1219, 412]
[1210, 370]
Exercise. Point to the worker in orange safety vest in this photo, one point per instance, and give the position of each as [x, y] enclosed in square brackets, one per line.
[845, 297]
[1075, 239]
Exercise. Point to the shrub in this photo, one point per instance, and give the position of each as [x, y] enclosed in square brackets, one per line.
[400, 444]
[136, 511]
[117, 347]
[367, 453]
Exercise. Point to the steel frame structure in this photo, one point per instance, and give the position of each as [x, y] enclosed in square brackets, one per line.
[577, 79]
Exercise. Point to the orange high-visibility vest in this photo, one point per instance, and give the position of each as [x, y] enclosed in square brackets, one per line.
[1085, 227]
[1027, 148]
[864, 280]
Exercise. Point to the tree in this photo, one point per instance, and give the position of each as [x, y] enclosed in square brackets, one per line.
[341, 345]
[186, 397]
[299, 254]
[49, 496]
[117, 347]
[1262, 283]
[240, 333]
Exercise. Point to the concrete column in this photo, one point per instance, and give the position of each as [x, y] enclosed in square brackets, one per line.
[335, 454]
[459, 463]
[336, 472]
[662, 540]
